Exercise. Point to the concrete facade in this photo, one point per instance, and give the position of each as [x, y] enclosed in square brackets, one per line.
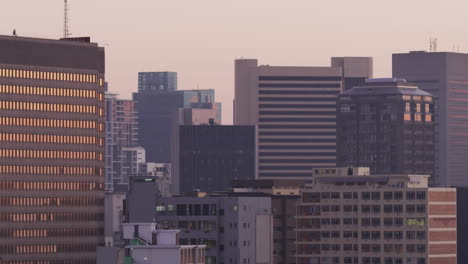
[121, 132]
[445, 76]
[376, 219]
[150, 246]
[235, 227]
[295, 111]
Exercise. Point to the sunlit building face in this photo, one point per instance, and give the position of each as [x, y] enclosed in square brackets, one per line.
[51, 151]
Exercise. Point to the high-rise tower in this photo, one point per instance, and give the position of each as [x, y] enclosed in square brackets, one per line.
[295, 111]
[51, 150]
[445, 76]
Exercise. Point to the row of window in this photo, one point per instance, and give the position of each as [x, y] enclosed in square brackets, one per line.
[44, 201]
[57, 232]
[33, 90]
[376, 196]
[51, 170]
[56, 123]
[365, 248]
[364, 260]
[59, 217]
[47, 75]
[65, 108]
[417, 117]
[59, 139]
[50, 154]
[68, 261]
[66, 186]
[30, 249]
[317, 222]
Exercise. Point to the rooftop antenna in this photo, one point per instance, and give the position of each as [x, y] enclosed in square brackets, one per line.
[433, 44]
[66, 33]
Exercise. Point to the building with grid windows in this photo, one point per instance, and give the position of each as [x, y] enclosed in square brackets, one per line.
[294, 109]
[445, 76]
[381, 219]
[121, 133]
[209, 157]
[388, 126]
[235, 227]
[51, 150]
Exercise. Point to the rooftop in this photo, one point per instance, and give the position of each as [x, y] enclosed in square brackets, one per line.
[385, 86]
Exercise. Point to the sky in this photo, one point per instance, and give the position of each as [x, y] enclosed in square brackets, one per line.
[200, 39]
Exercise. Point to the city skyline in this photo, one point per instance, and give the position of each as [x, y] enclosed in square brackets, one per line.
[301, 33]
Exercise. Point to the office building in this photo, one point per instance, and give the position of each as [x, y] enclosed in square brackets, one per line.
[52, 150]
[295, 111]
[210, 157]
[121, 132]
[157, 81]
[371, 219]
[157, 111]
[149, 245]
[235, 227]
[445, 76]
[386, 125]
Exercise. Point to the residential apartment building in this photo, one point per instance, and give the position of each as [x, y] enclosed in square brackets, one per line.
[235, 227]
[445, 76]
[121, 132]
[381, 219]
[209, 157]
[51, 150]
[294, 109]
[157, 113]
[388, 126]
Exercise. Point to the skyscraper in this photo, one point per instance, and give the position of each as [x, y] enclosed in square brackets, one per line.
[445, 76]
[387, 125]
[295, 110]
[156, 113]
[121, 132]
[52, 150]
[157, 81]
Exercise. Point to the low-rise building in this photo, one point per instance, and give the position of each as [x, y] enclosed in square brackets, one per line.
[381, 219]
[235, 227]
[150, 246]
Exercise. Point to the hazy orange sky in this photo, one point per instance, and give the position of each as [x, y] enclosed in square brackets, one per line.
[200, 38]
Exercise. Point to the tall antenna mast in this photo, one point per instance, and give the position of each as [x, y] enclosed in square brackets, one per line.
[66, 34]
[433, 44]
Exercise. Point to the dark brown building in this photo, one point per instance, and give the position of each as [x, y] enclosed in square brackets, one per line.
[51, 150]
[388, 126]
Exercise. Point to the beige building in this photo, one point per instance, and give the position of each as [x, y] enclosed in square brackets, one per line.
[349, 217]
[295, 111]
